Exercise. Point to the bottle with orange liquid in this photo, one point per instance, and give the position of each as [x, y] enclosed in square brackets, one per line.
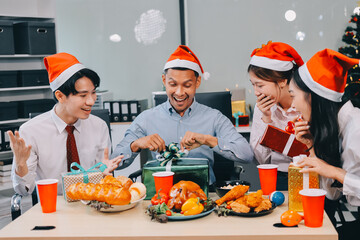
[298, 181]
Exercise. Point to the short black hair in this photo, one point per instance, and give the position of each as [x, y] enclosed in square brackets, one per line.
[181, 69]
[69, 86]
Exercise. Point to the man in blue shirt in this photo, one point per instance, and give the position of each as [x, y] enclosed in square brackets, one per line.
[198, 128]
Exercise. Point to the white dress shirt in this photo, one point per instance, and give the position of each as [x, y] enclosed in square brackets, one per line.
[47, 135]
[279, 118]
[349, 127]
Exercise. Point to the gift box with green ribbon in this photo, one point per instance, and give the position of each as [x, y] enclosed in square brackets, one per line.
[188, 169]
[92, 175]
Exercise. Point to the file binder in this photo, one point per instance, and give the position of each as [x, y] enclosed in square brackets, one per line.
[119, 110]
[136, 107]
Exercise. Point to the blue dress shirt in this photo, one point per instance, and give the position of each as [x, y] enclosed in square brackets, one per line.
[171, 127]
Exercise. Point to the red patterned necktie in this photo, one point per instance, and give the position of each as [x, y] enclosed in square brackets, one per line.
[71, 150]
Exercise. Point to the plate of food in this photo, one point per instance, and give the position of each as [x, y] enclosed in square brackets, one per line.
[185, 201]
[241, 203]
[104, 207]
[110, 195]
[253, 213]
[162, 213]
[183, 217]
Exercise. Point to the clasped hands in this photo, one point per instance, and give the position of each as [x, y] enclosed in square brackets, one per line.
[190, 141]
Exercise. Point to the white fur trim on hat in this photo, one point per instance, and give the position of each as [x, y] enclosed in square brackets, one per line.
[272, 64]
[184, 64]
[65, 75]
[318, 88]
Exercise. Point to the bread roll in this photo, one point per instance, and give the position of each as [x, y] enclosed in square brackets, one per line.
[137, 190]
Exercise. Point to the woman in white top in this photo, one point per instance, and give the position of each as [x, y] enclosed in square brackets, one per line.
[270, 70]
[331, 128]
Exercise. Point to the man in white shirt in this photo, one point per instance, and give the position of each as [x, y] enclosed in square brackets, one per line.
[44, 147]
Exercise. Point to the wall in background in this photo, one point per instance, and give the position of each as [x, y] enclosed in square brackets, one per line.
[148, 32]
[222, 33]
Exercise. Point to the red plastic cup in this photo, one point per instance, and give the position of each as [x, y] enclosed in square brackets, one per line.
[163, 181]
[268, 177]
[313, 200]
[47, 194]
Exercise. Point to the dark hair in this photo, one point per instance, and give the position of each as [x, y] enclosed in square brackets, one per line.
[352, 93]
[324, 125]
[181, 69]
[271, 75]
[69, 86]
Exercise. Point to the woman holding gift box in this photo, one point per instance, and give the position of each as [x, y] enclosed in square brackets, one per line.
[318, 90]
[46, 145]
[270, 70]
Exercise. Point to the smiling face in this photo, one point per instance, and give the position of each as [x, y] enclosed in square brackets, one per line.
[180, 87]
[264, 87]
[77, 105]
[301, 101]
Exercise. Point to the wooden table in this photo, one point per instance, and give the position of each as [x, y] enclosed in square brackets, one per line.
[78, 221]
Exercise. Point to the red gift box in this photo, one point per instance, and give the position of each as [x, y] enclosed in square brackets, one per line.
[243, 120]
[282, 142]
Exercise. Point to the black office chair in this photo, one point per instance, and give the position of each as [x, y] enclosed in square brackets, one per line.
[224, 169]
[104, 115]
[16, 198]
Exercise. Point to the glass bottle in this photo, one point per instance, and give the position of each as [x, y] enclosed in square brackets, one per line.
[297, 181]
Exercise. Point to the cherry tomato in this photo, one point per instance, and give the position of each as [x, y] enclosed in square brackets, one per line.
[168, 213]
[182, 212]
[228, 207]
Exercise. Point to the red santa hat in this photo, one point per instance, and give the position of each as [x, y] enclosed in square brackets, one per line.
[276, 56]
[326, 73]
[61, 67]
[185, 58]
